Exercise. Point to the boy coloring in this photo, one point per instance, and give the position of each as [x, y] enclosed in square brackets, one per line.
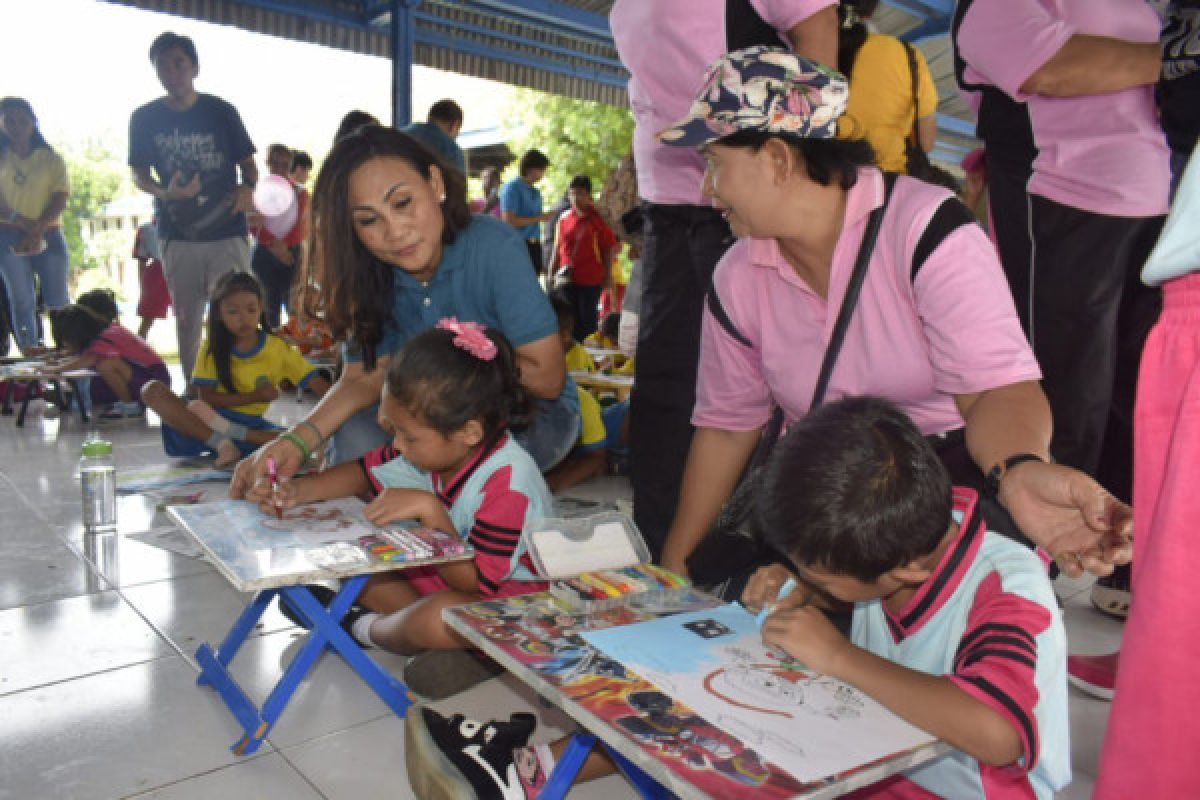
[955, 629]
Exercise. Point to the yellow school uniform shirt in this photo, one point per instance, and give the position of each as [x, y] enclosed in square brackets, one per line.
[592, 433]
[579, 359]
[881, 102]
[28, 183]
[273, 359]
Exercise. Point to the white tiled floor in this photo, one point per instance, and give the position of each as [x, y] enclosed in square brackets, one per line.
[98, 694]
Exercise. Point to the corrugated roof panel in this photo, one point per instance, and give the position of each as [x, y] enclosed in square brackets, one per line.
[465, 38]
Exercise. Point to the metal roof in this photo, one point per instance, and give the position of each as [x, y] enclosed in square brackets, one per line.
[559, 46]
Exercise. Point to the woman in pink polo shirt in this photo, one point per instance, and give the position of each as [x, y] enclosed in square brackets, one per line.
[934, 329]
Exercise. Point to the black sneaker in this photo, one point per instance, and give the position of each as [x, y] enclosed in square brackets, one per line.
[324, 596]
[461, 759]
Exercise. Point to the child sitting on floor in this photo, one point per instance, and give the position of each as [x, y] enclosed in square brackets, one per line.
[450, 396]
[955, 629]
[606, 339]
[124, 362]
[237, 373]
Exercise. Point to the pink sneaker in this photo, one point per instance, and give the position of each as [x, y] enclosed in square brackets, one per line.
[1094, 675]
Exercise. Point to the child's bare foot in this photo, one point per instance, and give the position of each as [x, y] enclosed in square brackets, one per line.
[228, 454]
[209, 416]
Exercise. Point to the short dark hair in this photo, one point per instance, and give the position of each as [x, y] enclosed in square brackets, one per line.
[826, 160]
[446, 111]
[279, 148]
[533, 159]
[564, 309]
[75, 327]
[855, 489]
[102, 301]
[446, 386]
[352, 121]
[581, 182]
[167, 41]
[301, 159]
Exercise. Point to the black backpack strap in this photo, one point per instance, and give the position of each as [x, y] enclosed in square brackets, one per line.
[857, 278]
[718, 312]
[950, 216]
[745, 27]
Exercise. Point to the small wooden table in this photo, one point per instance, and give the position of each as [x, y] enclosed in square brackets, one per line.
[664, 748]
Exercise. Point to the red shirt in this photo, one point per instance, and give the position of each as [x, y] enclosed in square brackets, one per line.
[582, 240]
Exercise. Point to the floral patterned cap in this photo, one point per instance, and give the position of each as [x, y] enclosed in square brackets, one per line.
[767, 89]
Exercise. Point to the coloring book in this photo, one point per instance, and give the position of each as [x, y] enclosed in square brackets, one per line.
[714, 662]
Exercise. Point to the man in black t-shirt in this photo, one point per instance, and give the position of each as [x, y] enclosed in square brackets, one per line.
[186, 150]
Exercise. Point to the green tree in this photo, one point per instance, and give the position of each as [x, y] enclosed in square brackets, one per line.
[578, 136]
[97, 177]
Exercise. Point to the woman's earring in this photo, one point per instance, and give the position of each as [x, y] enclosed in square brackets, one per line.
[442, 199]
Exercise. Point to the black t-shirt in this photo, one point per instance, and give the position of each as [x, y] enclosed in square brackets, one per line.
[208, 140]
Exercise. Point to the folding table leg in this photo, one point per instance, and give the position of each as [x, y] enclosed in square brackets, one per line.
[647, 787]
[568, 766]
[326, 626]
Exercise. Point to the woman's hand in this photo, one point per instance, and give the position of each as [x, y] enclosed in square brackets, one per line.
[252, 469]
[396, 504]
[1070, 515]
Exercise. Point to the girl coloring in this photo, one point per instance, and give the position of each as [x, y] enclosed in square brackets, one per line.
[448, 401]
[124, 361]
[236, 375]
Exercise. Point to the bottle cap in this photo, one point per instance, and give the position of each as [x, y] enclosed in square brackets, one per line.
[97, 447]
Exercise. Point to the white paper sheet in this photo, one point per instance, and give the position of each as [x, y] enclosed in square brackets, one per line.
[714, 662]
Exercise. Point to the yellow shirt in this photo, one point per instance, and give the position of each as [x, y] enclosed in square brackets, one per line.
[579, 359]
[28, 183]
[881, 101]
[273, 359]
[592, 433]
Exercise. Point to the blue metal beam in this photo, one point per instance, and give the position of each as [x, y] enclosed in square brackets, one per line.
[437, 39]
[551, 14]
[319, 12]
[955, 125]
[924, 8]
[404, 29]
[523, 43]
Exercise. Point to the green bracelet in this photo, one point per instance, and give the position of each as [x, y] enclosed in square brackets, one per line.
[315, 430]
[299, 442]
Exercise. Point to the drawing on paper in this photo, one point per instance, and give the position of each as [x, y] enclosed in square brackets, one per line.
[714, 663]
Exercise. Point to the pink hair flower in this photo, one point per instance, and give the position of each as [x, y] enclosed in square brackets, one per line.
[470, 336]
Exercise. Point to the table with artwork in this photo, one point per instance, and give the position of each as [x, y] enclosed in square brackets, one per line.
[603, 383]
[31, 374]
[754, 724]
[278, 555]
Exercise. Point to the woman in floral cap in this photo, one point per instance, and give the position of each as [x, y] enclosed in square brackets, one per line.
[934, 329]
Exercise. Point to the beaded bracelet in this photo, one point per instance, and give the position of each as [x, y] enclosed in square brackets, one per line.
[299, 442]
[315, 430]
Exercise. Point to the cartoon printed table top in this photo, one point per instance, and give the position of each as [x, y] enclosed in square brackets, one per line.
[535, 640]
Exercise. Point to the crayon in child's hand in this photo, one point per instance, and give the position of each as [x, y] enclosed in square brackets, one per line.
[273, 473]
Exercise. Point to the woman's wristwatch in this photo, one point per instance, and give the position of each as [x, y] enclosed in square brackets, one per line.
[997, 472]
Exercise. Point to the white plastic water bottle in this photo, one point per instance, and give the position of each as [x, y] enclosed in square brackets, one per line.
[98, 479]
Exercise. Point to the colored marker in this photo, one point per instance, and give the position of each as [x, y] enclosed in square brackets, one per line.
[273, 473]
[788, 587]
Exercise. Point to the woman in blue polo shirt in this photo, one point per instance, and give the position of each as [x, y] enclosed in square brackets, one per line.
[396, 250]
